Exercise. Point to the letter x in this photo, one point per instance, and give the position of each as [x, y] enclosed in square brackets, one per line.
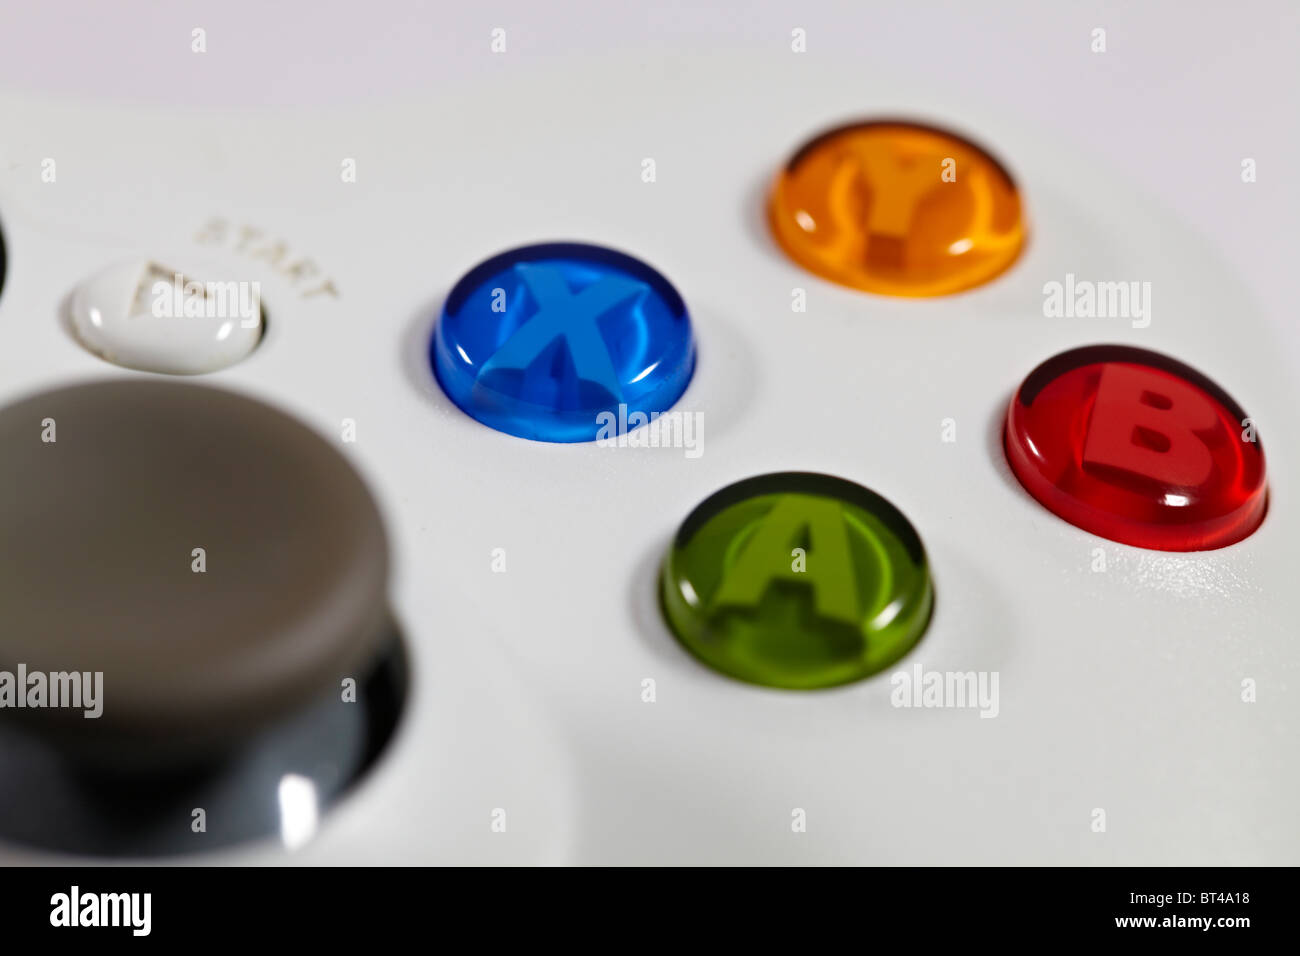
[561, 314]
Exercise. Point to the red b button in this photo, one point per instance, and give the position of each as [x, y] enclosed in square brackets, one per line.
[1137, 447]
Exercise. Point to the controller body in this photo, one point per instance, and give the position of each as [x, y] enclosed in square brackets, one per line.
[551, 716]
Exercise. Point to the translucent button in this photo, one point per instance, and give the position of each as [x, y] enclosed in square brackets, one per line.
[897, 208]
[150, 316]
[563, 342]
[1134, 446]
[797, 580]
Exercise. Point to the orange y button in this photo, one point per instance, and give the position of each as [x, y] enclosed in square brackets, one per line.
[897, 208]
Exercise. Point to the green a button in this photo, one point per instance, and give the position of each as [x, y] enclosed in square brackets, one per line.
[797, 580]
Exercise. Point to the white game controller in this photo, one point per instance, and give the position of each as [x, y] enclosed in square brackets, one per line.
[551, 716]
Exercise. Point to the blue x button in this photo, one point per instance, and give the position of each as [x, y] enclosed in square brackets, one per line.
[563, 342]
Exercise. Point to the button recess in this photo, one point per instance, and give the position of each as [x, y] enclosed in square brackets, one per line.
[797, 580]
[1139, 448]
[897, 208]
[547, 341]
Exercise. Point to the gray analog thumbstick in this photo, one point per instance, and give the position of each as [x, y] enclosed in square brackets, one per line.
[219, 563]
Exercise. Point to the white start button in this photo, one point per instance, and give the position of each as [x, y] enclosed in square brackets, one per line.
[149, 316]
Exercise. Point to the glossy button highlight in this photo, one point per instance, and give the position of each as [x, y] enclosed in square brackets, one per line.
[1134, 446]
[548, 341]
[150, 316]
[897, 208]
[797, 580]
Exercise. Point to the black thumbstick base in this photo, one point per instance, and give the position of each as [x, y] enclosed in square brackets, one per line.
[276, 787]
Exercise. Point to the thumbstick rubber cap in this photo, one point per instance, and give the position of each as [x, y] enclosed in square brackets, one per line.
[220, 563]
